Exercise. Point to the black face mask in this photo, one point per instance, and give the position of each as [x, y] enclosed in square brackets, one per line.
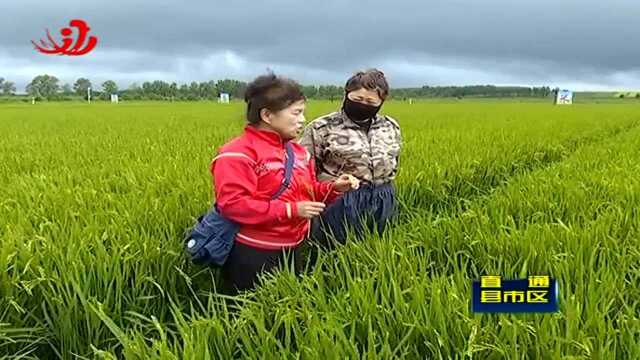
[359, 112]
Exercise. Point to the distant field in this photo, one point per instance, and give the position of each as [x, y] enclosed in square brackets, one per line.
[95, 198]
[586, 97]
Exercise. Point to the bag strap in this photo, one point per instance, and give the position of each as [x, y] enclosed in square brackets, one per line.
[288, 170]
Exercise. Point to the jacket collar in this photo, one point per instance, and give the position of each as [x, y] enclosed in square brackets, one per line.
[268, 136]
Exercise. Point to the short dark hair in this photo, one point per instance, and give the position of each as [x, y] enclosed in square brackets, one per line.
[270, 92]
[371, 79]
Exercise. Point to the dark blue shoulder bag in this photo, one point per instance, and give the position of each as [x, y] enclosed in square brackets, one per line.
[211, 239]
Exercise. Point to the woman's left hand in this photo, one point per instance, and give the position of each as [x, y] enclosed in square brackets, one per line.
[346, 182]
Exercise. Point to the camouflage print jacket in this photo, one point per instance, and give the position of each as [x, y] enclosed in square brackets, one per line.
[340, 146]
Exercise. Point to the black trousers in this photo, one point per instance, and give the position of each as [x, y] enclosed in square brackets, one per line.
[245, 263]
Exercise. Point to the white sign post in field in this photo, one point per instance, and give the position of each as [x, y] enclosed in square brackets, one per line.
[565, 97]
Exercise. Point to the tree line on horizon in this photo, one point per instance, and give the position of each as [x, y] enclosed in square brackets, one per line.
[48, 87]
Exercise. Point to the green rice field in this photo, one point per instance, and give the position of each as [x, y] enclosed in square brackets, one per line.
[94, 201]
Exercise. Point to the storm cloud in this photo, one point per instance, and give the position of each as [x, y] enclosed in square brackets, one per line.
[579, 44]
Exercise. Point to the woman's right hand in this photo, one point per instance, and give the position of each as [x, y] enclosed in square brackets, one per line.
[309, 209]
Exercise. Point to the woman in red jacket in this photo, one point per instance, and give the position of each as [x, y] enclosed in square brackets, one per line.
[249, 169]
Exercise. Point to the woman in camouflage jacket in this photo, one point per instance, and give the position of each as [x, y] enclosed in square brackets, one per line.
[359, 141]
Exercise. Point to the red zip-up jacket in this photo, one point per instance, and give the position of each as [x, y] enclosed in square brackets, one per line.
[248, 171]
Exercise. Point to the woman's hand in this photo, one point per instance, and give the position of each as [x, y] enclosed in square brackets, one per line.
[309, 209]
[346, 182]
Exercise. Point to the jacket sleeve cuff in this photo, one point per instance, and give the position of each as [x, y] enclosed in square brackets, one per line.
[288, 210]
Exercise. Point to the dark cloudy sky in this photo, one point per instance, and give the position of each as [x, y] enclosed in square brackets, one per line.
[579, 44]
